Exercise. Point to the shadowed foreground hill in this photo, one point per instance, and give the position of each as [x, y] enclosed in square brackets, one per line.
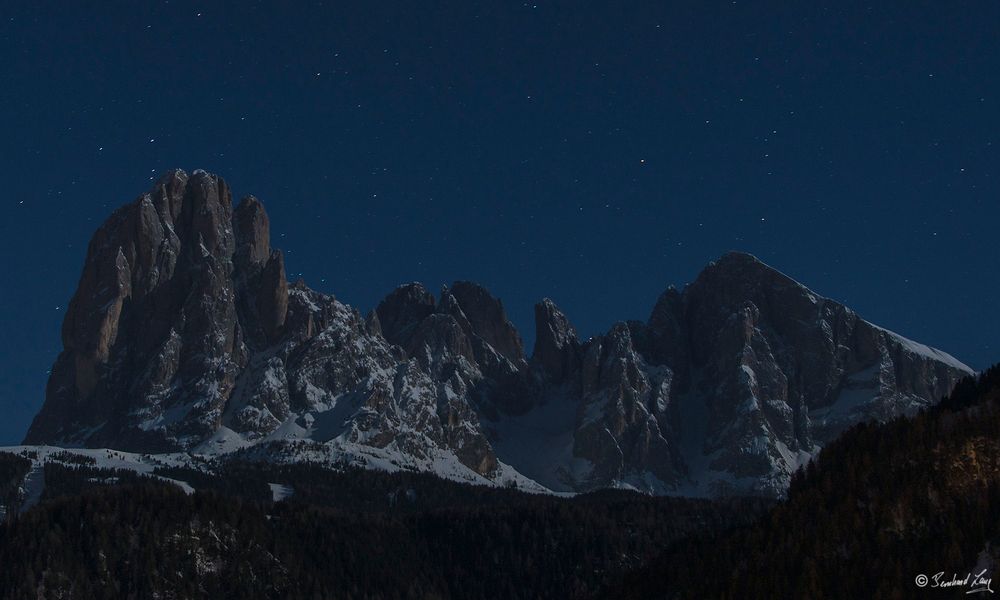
[883, 504]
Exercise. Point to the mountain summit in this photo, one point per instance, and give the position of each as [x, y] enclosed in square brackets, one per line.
[184, 335]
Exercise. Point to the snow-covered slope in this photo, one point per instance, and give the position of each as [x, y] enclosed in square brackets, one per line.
[99, 458]
[330, 456]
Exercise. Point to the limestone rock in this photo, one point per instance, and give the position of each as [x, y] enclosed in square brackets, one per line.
[185, 335]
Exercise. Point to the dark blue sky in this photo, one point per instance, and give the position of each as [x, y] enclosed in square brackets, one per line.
[591, 155]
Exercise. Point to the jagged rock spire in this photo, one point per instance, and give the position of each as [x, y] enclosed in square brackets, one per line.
[557, 350]
[154, 323]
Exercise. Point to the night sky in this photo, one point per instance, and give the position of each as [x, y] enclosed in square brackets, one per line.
[593, 155]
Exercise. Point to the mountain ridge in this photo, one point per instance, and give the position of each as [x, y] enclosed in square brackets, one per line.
[185, 335]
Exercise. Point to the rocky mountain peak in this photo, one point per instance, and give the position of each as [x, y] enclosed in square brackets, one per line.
[184, 334]
[253, 232]
[557, 350]
[736, 277]
[155, 308]
[401, 311]
[488, 319]
[207, 216]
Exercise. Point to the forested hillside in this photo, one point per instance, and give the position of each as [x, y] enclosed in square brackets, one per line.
[358, 534]
[12, 471]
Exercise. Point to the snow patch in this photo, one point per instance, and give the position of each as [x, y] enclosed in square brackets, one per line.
[540, 443]
[926, 351]
[280, 492]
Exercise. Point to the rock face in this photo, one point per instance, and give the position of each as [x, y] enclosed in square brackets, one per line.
[184, 334]
[730, 385]
[151, 343]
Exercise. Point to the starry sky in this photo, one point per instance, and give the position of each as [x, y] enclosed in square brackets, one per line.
[591, 154]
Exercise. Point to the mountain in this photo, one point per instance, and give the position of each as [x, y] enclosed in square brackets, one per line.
[185, 335]
[887, 510]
